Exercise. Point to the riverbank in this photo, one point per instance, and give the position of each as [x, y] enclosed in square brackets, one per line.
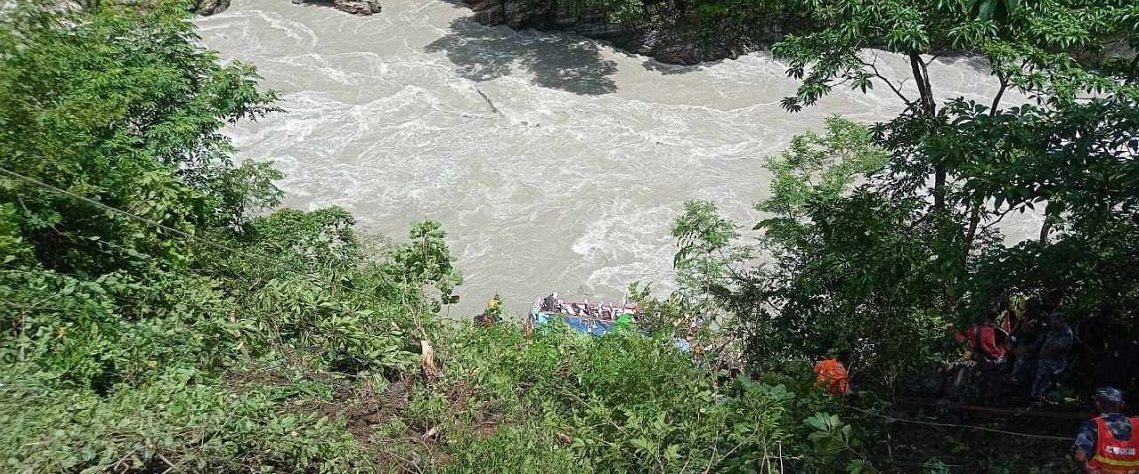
[668, 32]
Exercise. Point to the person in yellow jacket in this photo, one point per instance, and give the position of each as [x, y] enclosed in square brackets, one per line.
[494, 309]
[492, 315]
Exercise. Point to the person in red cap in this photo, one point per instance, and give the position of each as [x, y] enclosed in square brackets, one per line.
[1109, 443]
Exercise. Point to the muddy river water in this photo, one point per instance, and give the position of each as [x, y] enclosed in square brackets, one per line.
[553, 162]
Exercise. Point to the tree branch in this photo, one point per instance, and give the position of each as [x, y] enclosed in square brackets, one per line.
[1046, 228]
[1000, 217]
[896, 89]
[1134, 70]
[974, 219]
[929, 110]
[925, 89]
[1000, 94]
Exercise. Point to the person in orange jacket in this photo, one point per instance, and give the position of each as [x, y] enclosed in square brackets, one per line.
[1109, 443]
[831, 374]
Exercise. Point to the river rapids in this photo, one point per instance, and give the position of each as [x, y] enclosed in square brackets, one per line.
[554, 162]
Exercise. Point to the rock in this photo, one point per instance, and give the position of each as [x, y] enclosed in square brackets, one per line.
[660, 34]
[357, 7]
[209, 7]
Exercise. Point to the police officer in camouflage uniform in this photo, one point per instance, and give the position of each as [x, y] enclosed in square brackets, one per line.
[1109, 443]
[1053, 355]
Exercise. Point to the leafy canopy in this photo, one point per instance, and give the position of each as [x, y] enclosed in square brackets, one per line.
[122, 107]
[1055, 51]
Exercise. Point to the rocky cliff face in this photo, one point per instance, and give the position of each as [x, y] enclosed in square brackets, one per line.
[663, 34]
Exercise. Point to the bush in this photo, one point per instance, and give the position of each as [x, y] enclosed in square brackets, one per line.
[631, 403]
[174, 422]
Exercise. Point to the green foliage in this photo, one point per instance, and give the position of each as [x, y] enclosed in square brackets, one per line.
[833, 441]
[113, 329]
[841, 274]
[323, 239]
[877, 238]
[12, 244]
[122, 107]
[671, 315]
[934, 466]
[1053, 50]
[173, 422]
[525, 448]
[136, 284]
[426, 259]
[848, 278]
[623, 403]
[819, 169]
[702, 260]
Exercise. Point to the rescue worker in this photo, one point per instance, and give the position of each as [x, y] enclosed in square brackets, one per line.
[985, 340]
[1053, 357]
[482, 320]
[831, 374]
[494, 310]
[1108, 444]
[492, 315]
[550, 302]
[1024, 340]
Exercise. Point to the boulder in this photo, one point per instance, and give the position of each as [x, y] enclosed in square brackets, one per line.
[357, 7]
[209, 7]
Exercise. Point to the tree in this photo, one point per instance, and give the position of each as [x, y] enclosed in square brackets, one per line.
[842, 274]
[1077, 164]
[878, 256]
[1053, 51]
[703, 259]
[98, 106]
[426, 260]
[817, 168]
[1057, 53]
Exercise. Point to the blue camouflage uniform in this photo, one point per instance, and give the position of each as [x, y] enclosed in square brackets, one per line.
[1118, 424]
[1057, 342]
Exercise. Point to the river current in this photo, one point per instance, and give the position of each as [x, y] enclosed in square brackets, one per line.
[554, 162]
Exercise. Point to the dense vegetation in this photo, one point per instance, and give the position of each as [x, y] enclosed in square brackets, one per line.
[156, 316]
[877, 237]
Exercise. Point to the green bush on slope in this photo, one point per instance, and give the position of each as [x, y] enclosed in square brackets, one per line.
[136, 280]
[627, 403]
